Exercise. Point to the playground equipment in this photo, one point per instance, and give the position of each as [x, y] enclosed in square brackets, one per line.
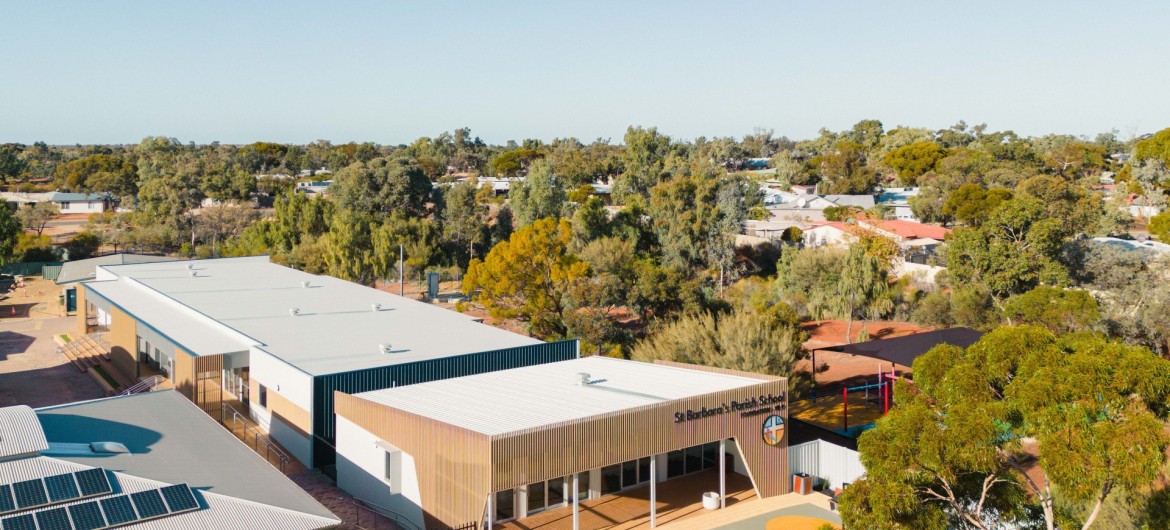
[884, 388]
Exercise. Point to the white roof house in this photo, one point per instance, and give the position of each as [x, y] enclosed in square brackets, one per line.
[507, 401]
[318, 324]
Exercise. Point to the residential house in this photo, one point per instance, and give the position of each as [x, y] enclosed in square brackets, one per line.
[898, 199]
[81, 202]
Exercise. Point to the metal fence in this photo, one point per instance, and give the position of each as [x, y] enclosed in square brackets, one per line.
[32, 268]
[831, 464]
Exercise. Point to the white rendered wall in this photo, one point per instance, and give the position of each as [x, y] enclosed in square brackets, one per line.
[361, 472]
[289, 383]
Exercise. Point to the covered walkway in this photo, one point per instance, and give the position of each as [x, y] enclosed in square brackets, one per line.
[677, 500]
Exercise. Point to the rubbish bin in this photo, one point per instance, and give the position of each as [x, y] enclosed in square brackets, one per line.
[802, 483]
[711, 500]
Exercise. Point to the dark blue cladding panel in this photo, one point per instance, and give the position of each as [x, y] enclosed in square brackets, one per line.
[324, 423]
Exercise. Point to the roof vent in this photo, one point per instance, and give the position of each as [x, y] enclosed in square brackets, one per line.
[294, 311]
[582, 379]
[194, 273]
[190, 266]
[108, 447]
[305, 284]
[375, 307]
[384, 348]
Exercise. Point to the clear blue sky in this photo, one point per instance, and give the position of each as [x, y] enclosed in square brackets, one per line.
[389, 72]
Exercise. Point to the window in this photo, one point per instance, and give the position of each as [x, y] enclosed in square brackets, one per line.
[262, 395]
[393, 471]
[694, 459]
[64, 206]
[556, 491]
[535, 497]
[504, 508]
[611, 479]
[710, 455]
[582, 485]
[674, 464]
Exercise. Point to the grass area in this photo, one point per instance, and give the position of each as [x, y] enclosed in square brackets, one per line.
[66, 338]
[106, 375]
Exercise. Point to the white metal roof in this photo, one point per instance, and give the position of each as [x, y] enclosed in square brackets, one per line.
[506, 401]
[248, 301]
[20, 432]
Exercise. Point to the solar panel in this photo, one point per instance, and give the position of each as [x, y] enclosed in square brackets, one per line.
[87, 516]
[149, 504]
[6, 502]
[55, 519]
[20, 522]
[118, 510]
[61, 487]
[179, 498]
[93, 482]
[30, 493]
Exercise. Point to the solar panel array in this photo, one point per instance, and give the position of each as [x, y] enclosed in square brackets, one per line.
[66, 487]
[108, 512]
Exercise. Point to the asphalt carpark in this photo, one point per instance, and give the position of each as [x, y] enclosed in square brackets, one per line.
[32, 372]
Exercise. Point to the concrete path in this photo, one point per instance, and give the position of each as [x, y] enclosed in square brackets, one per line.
[32, 372]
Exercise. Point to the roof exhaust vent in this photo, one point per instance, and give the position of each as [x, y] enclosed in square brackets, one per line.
[294, 311]
[305, 284]
[190, 266]
[194, 273]
[582, 379]
[384, 348]
[375, 307]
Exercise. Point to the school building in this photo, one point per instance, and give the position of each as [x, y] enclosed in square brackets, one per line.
[482, 450]
[282, 341]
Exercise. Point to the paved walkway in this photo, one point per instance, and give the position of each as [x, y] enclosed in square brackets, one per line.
[677, 500]
[32, 372]
[753, 515]
[807, 515]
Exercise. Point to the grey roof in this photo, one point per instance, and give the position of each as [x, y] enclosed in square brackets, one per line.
[216, 511]
[235, 303]
[19, 432]
[61, 196]
[84, 269]
[507, 401]
[171, 440]
[860, 201]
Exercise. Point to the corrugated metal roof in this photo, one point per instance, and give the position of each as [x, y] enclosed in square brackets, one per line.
[173, 441]
[221, 511]
[84, 269]
[523, 398]
[337, 329]
[20, 432]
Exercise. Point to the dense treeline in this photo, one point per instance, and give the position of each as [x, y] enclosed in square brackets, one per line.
[661, 244]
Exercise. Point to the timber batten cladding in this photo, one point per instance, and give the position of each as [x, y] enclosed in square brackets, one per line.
[458, 467]
[325, 386]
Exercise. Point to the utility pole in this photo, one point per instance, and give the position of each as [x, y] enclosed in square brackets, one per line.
[401, 274]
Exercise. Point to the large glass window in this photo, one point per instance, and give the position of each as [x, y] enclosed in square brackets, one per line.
[582, 485]
[644, 470]
[629, 473]
[710, 455]
[694, 458]
[504, 508]
[674, 464]
[556, 491]
[535, 497]
[611, 479]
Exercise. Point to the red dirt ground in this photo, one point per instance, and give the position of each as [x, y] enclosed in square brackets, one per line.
[845, 369]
